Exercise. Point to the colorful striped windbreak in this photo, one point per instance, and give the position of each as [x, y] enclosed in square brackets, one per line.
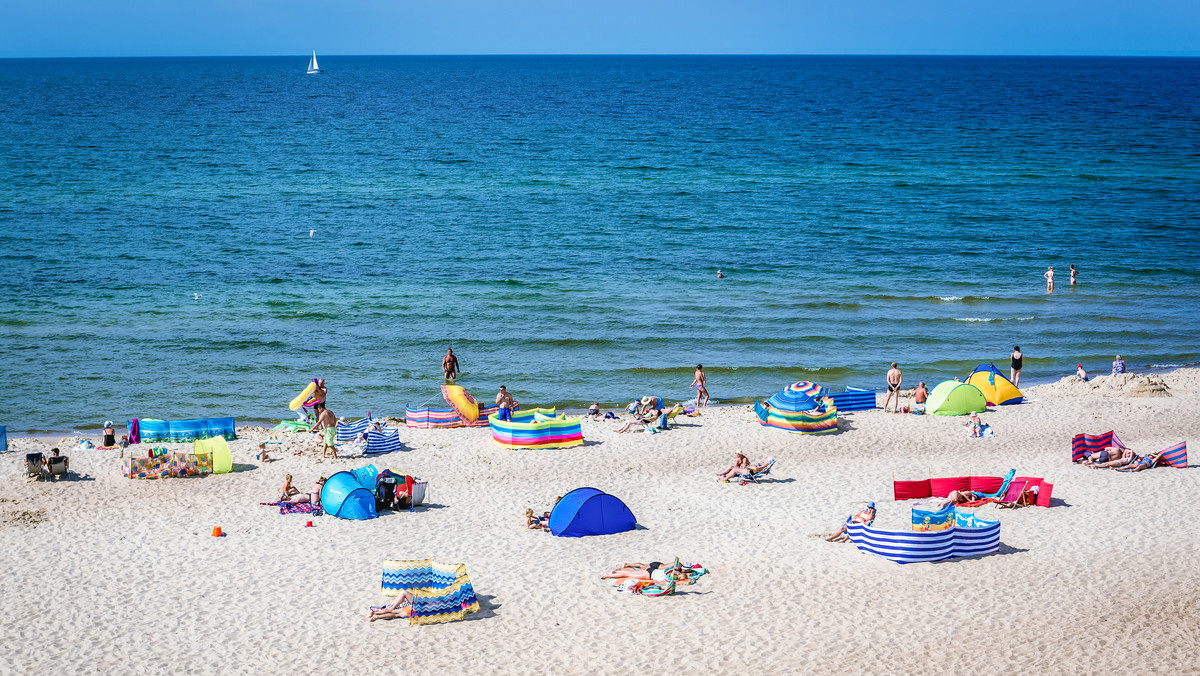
[969, 536]
[1083, 444]
[444, 418]
[524, 431]
[442, 592]
[815, 421]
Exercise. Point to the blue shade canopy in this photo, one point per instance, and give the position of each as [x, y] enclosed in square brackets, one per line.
[345, 496]
[590, 511]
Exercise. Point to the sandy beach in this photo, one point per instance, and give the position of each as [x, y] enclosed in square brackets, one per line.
[112, 575]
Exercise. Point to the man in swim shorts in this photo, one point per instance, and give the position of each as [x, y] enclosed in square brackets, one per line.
[894, 378]
[450, 365]
[327, 423]
[504, 400]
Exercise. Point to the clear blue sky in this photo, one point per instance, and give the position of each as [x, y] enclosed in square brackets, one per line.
[263, 27]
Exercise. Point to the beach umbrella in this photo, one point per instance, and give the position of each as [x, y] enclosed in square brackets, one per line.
[801, 396]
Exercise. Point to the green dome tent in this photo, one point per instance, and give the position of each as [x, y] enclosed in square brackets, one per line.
[954, 398]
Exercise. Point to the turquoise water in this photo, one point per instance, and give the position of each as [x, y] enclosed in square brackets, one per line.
[559, 221]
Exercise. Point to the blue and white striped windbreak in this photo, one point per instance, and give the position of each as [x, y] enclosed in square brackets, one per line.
[347, 432]
[383, 442]
[969, 536]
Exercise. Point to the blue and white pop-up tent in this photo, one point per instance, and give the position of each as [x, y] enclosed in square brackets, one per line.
[351, 495]
[590, 511]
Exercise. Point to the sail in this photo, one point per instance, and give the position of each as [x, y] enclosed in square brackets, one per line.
[312, 64]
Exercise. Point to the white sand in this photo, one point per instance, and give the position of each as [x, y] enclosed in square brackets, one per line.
[127, 577]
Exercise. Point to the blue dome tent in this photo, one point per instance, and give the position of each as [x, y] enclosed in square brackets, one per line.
[590, 511]
[346, 495]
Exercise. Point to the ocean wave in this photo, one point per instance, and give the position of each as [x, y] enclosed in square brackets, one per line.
[993, 319]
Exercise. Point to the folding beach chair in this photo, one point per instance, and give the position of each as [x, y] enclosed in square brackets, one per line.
[1014, 497]
[763, 473]
[664, 420]
[57, 466]
[34, 467]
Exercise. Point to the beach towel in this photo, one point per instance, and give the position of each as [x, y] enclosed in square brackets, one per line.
[301, 508]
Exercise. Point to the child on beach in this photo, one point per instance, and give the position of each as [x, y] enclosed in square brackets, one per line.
[1081, 373]
[262, 453]
[287, 491]
[532, 522]
[974, 425]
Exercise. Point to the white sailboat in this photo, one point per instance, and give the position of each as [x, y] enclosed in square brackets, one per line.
[313, 68]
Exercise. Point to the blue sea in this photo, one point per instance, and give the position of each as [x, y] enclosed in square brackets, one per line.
[560, 221]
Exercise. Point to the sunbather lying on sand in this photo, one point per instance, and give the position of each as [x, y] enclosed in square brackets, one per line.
[400, 607]
[959, 497]
[866, 516]
[313, 496]
[654, 571]
[1140, 462]
[1126, 456]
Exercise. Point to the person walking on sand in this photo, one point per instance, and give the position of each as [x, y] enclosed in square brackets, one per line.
[505, 401]
[894, 378]
[1074, 274]
[700, 382]
[326, 422]
[1049, 275]
[1014, 368]
[450, 365]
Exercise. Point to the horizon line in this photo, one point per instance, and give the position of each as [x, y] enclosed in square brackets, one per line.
[1125, 55]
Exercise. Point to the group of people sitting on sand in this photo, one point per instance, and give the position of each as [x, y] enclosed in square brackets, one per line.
[289, 493]
[1120, 459]
[649, 411]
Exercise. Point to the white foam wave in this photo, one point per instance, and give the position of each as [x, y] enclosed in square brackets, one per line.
[949, 299]
[993, 319]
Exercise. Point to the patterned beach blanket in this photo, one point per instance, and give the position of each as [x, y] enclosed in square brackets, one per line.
[302, 508]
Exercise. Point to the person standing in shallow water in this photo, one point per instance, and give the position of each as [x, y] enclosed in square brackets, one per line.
[1074, 274]
[1049, 275]
[1014, 370]
[700, 382]
[450, 365]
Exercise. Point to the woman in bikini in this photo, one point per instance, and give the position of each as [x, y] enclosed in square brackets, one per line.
[313, 496]
[865, 517]
[741, 465]
[655, 571]
[400, 607]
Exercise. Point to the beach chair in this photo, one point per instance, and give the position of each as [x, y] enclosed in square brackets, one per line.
[1014, 497]
[753, 477]
[56, 467]
[664, 420]
[34, 467]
